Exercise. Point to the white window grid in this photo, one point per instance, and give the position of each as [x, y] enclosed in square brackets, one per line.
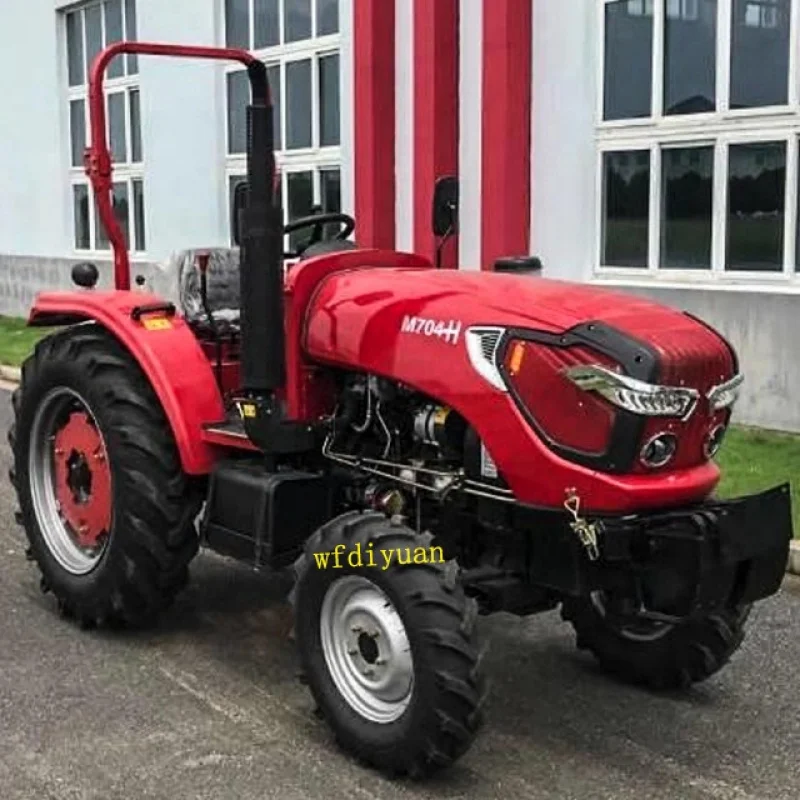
[315, 159]
[123, 172]
[719, 129]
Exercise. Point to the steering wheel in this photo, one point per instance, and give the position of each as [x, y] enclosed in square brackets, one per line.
[317, 223]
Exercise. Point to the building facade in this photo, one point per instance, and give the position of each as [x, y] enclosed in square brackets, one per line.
[646, 145]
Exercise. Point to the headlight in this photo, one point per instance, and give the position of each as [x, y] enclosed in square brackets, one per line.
[635, 395]
[726, 394]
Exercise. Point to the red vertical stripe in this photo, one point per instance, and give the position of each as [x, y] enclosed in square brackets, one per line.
[435, 113]
[505, 186]
[374, 91]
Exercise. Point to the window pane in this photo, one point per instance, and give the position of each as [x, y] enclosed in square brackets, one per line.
[80, 205]
[298, 104]
[297, 20]
[756, 203]
[690, 57]
[760, 53]
[116, 127]
[113, 11]
[77, 127]
[331, 190]
[238, 98]
[628, 59]
[300, 187]
[627, 208]
[138, 216]
[327, 17]
[267, 23]
[136, 126]
[237, 23]
[75, 49]
[687, 187]
[120, 199]
[94, 34]
[329, 100]
[131, 34]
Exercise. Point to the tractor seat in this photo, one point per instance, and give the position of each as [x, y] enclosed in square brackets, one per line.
[178, 280]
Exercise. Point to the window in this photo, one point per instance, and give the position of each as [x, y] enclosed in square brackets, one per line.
[299, 41]
[699, 139]
[89, 29]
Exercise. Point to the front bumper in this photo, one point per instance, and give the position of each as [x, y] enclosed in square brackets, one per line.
[679, 563]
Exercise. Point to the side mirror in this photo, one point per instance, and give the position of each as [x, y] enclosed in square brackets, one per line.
[238, 203]
[445, 207]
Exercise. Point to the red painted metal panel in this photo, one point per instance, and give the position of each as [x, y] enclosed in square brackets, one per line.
[505, 182]
[374, 101]
[172, 360]
[435, 114]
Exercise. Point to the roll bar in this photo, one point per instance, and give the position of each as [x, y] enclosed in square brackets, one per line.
[97, 158]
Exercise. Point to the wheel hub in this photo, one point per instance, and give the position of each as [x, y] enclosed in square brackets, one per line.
[366, 649]
[82, 479]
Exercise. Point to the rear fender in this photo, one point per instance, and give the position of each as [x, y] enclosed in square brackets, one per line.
[169, 356]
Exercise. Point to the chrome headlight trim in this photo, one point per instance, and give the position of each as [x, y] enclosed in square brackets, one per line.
[631, 394]
[483, 343]
[726, 394]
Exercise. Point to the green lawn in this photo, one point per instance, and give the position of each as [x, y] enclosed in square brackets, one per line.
[17, 340]
[752, 460]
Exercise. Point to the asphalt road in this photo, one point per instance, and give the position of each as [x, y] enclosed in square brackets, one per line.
[208, 706]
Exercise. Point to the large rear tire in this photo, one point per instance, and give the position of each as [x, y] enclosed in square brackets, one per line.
[107, 510]
[659, 656]
[391, 655]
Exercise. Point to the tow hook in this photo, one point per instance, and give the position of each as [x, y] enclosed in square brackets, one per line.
[586, 531]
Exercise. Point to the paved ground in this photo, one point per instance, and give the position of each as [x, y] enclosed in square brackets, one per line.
[208, 706]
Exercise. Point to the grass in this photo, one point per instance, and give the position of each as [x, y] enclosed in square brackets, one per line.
[752, 460]
[17, 340]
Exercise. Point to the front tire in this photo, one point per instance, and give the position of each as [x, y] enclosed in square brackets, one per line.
[107, 510]
[659, 656]
[391, 655]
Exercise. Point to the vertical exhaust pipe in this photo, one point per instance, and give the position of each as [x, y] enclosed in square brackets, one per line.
[263, 362]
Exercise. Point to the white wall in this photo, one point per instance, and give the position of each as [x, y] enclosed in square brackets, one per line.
[565, 85]
[470, 133]
[184, 130]
[34, 216]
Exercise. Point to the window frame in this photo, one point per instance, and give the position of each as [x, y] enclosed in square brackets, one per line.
[315, 159]
[123, 172]
[720, 129]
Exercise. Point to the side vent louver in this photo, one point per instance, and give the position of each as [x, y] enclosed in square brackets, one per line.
[482, 347]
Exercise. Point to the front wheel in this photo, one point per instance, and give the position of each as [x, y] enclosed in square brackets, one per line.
[391, 654]
[658, 655]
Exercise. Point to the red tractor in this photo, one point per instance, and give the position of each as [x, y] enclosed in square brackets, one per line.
[420, 445]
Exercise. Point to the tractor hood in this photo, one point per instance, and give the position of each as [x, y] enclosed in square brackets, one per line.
[356, 301]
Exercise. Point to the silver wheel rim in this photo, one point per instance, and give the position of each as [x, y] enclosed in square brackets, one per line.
[59, 538]
[366, 649]
[644, 631]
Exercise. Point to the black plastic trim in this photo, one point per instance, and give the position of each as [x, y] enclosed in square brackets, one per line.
[139, 311]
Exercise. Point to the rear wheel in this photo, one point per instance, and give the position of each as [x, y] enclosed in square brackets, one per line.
[106, 508]
[655, 654]
[391, 655]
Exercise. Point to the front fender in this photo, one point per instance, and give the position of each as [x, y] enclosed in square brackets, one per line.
[169, 356]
